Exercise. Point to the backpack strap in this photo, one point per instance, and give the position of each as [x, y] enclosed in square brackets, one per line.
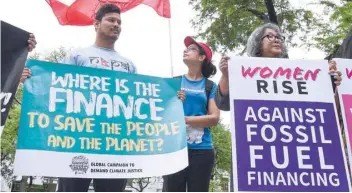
[208, 87]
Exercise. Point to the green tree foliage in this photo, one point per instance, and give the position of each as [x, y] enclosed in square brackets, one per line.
[9, 137]
[339, 24]
[227, 24]
[57, 55]
[222, 167]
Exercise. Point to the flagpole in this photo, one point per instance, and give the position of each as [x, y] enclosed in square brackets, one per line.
[170, 48]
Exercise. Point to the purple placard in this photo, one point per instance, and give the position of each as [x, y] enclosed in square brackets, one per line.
[314, 161]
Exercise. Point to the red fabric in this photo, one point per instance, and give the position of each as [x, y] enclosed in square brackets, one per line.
[208, 53]
[82, 12]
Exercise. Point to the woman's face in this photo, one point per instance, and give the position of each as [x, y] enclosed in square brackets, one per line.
[191, 54]
[272, 44]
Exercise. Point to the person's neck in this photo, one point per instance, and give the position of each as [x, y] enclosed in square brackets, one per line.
[105, 43]
[194, 73]
[270, 55]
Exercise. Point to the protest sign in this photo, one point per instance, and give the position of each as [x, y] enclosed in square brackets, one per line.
[345, 96]
[14, 50]
[91, 123]
[284, 127]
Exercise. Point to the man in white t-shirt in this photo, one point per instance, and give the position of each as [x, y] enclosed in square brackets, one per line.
[100, 55]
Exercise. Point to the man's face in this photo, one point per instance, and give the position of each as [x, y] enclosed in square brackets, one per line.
[109, 26]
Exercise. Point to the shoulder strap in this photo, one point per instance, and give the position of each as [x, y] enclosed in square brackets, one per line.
[208, 87]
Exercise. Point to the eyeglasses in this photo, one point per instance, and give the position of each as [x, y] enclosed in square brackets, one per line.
[273, 38]
[191, 49]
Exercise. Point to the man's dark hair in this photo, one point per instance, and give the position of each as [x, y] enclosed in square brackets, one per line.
[106, 8]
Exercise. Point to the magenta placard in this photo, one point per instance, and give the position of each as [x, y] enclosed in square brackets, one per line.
[347, 103]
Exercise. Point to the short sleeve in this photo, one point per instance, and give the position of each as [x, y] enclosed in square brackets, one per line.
[133, 68]
[222, 101]
[213, 91]
[69, 59]
[74, 58]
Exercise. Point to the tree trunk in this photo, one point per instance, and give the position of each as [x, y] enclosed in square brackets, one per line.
[271, 11]
[345, 50]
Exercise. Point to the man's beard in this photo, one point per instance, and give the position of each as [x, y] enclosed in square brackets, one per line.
[111, 38]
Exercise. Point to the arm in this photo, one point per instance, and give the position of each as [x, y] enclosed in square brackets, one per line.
[222, 101]
[209, 120]
[32, 42]
[336, 81]
[224, 80]
[222, 98]
[224, 85]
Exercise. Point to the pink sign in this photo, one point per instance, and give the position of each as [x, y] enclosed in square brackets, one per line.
[347, 103]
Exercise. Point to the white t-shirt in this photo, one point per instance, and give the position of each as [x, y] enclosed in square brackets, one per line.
[98, 57]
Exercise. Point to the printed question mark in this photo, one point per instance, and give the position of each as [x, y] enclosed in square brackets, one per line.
[160, 143]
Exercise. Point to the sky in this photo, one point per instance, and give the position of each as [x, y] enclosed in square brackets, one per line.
[146, 38]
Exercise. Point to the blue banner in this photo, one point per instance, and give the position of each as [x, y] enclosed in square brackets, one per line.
[71, 109]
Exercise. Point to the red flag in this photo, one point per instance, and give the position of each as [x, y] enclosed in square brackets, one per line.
[82, 12]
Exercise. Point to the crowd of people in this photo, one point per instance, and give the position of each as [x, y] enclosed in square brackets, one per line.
[202, 98]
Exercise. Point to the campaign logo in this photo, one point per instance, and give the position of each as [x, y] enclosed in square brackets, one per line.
[80, 164]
